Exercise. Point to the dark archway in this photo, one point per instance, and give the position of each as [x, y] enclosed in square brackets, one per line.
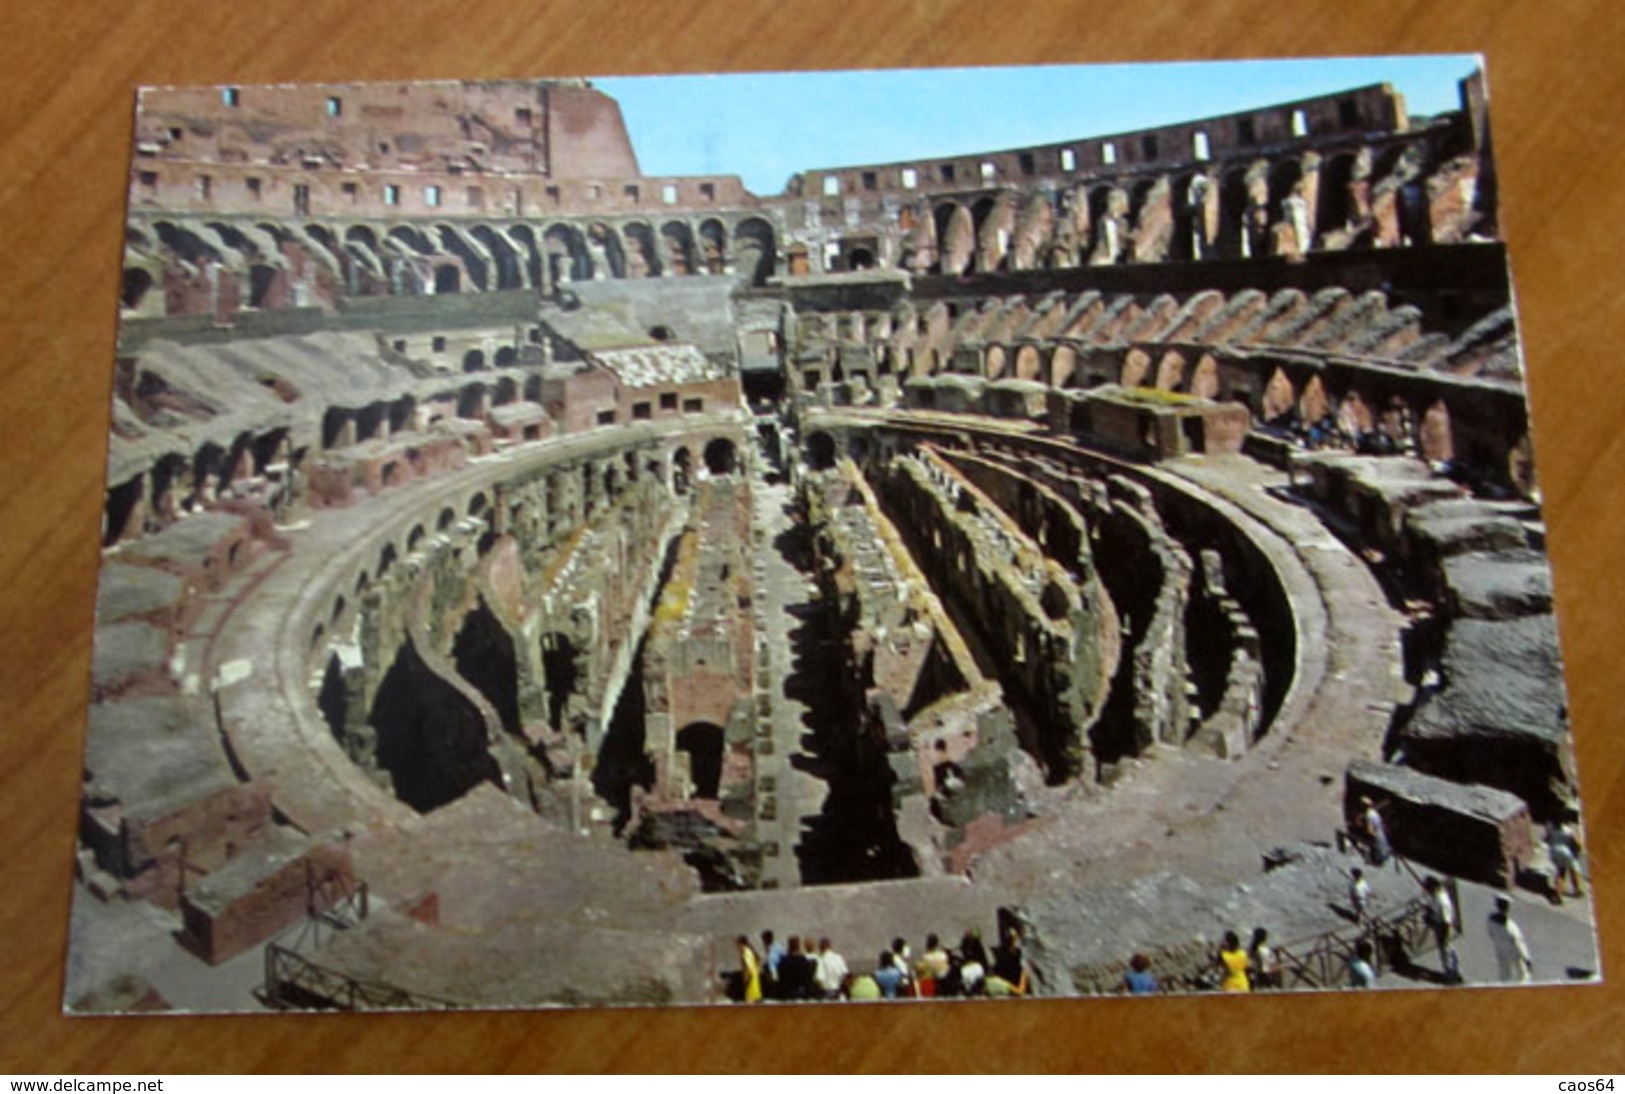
[703, 741]
[431, 739]
[137, 283]
[754, 250]
[821, 451]
[721, 457]
[484, 655]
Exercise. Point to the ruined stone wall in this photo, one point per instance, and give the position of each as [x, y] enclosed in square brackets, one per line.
[999, 581]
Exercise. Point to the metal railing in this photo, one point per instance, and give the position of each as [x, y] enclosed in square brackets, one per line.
[294, 982]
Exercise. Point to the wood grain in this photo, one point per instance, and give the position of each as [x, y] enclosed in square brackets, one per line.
[69, 71]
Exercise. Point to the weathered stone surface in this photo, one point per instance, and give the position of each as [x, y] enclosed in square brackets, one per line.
[1500, 717]
[1474, 832]
[1505, 585]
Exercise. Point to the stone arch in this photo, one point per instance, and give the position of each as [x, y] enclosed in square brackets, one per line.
[1171, 371]
[1434, 439]
[1204, 382]
[1235, 207]
[504, 257]
[566, 253]
[678, 241]
[1029, 364]
[1279, 400]
[137, 283]
[704, 742]
[1034, 229]
[754, 249]
[713, 245]
[721, 457]
[475, 264]
[483, 653]
[956, 238]
[821, 450]
[529, 251]
[1136, 367]
[412, 239]
[642, 252]
[1063, 366]
[607, 241]
[991, 238]
[431, 737]
[1337, 209]
[1354, 414]
[1313, 403]
[186, 245]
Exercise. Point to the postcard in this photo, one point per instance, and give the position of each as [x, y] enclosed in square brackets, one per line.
[822, 537]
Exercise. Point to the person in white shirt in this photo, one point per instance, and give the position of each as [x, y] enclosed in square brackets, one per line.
[1511, 951]
[832, 970]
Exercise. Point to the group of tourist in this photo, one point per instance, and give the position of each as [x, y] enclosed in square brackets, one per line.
[798, 969]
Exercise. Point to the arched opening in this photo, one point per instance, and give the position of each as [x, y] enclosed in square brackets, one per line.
[754, 250]
[560, 678]
[333, 700]
[431, 738]
[679, 247]
[703, 742]
[1234, 205]
[452, 242]
[471, 401]
[1336, 195]
[642, 255]
[474, 360]
[1171, 371]
[1136, 367]
[956, 238]
[608, 243]
[567, 258]
[137, 283]
[820, 451]
[484, 654]
[1205, 379]
[721, 457]
[528, 252]
[506, 357]
[1063, 366]
[448, 280]
[714, 247]
[1433, 437]
[122, 503]
[1279, 401]
[1029, 365]
[509, 275]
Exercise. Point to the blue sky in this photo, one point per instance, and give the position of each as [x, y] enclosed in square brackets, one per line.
[766, 127]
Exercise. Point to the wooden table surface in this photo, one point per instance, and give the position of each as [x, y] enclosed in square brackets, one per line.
[1557, 71]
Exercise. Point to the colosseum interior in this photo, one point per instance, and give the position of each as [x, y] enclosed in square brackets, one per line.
[522, 576]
